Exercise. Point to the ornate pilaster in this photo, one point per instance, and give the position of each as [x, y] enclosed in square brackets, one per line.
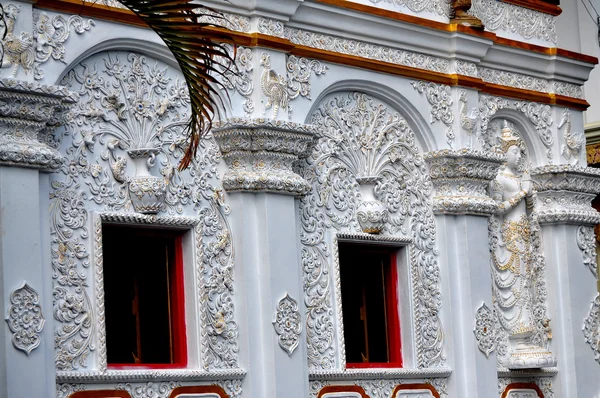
[563, 209]
[262, 188]
[462, 204]
[565, 193]
[461, 179]
[260, 154]
[28, 114]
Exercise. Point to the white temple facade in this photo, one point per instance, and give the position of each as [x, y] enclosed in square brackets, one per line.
[395, 204]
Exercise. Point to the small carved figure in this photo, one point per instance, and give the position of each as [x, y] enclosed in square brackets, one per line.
[17, 50]
[462, 17]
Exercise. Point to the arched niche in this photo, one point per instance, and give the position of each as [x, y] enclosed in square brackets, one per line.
[154, 49]
[536, 151]
[393, 98]
[368, 151]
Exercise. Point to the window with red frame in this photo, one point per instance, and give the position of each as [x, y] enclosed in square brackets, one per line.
[369, 279]
[143, 297]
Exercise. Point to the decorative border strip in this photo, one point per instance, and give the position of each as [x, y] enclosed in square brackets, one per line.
[366, 55]
[382, 373]
[542, 372]
[148, 375]
[380, 239]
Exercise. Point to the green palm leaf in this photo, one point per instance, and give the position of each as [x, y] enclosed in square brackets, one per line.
[201, 54]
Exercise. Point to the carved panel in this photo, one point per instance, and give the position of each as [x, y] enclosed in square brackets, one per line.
[503, 17]
[199, 392]
[288, 324]
[586, 241]
[522, 390]
[440, 7]
[25, 319]
[370, 140]
[591, 328]
[133, 106]
[439, 97]
[484, 330]
[342, 392]
[280, 90]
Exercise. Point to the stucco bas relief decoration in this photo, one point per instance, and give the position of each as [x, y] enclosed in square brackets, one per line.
[565, 193]
[461, 179]
[367, 50]
[30, 50]
[518, 264]
[591, 328]
[439, 7]
[280, 90]
[484, 330]
[372, 151]
[502, 17]
[288, 324]
[541, 117]
[129, 123]
[153, 389]
[586, 241]
[25, 319]
[574, 141]
[535, 386]
[440, 101]
[238, 78]
[381, 388]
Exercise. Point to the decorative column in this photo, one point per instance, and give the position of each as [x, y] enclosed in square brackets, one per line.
[567, 220]
[262, 189]
[462, 205]
[28, 114]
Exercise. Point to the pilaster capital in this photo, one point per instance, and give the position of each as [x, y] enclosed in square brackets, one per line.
[29, 112]
[260, 154]
[461, 180]
[565, 193]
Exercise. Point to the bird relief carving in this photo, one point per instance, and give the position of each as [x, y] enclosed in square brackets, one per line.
[281, 90]
[574, 141]
[30, 51]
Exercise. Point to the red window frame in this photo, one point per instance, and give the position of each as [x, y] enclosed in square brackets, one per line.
[392, 316]
[178, 326]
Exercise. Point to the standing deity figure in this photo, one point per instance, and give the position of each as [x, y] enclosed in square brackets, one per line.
[513, 257]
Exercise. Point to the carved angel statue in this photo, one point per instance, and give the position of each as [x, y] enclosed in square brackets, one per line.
[513, 257]
[18, 50]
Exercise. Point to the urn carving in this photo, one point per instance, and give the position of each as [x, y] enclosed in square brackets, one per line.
[147, 192]
[370, 212]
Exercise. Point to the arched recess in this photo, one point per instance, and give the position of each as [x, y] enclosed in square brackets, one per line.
[157, 50]
[127, 111]
[368, 148]
[536, 150]
[390, 96]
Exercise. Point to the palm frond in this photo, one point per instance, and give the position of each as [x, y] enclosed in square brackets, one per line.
[201, 54]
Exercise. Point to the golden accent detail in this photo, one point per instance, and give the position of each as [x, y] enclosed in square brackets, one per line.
[593, 154]
[266, 41]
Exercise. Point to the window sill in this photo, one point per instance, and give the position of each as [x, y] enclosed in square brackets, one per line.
[148, 375]
[375, 365]
[381, 373]
[536, 5]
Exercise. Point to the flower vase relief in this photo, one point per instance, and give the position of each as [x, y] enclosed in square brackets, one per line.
[147, 192]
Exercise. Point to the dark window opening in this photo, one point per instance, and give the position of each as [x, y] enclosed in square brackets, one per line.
[369, 280]
[143, 297]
